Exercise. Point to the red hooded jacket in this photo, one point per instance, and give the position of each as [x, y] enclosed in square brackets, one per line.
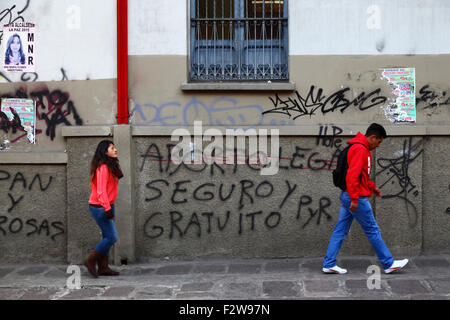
[359, 161]
[104, 188]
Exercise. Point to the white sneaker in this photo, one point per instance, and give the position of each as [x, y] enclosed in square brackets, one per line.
[397, 265]
[334, 269]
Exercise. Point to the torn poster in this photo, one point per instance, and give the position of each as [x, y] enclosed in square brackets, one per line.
[18, 47]
[403, 82]
[25, 109]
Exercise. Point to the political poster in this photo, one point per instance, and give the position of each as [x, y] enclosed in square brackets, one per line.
[403, 82]
[18, 47]
[25, 109]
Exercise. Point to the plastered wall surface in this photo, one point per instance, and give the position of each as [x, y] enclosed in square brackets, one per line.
[58, 104]
[213, 211]
[399, 174]
[232, 211]
[74, 82]
[356, 27]
[78, 37]
[189, 212]
[436, 199]
[205, 211]
[83, 234]
[413, 209]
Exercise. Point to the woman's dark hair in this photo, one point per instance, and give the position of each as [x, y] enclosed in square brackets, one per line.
[100, 158]
[9, 51]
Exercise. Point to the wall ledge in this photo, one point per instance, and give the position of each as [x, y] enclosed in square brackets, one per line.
[86, 131]
[237, 86]
[303, 130]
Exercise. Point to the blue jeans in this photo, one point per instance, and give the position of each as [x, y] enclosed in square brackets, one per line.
[364, 216]
[108, 227]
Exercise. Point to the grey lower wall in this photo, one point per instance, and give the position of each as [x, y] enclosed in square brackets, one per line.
[160, 214]
[33, 223]
[223, 211]
[202, 211]
[436, 194]
[58, 104]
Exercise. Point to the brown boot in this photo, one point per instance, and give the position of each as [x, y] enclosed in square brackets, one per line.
[91, 262]
[103, 268]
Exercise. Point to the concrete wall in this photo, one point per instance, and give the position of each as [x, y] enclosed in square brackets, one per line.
[217, 211]
[44, 187]
[77, 36]
[160, 100]
[349, 27]
[369, 27]
[59, 104]
[436, 194]
[231, 211]
[200, 211]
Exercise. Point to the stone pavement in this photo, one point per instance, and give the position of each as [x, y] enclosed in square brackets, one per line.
[424, 278]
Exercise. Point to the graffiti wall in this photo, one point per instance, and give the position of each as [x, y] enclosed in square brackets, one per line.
[436, 198]
[219, 210]
[73, 86]
[328, 89]
[202, 211]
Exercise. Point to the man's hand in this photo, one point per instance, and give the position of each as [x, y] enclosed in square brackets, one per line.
[13, 60]
[377, 192]
[110, 215]
[354, 206]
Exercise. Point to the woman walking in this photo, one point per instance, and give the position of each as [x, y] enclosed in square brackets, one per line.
[104, 181]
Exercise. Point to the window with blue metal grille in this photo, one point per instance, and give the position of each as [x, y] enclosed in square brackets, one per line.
[244, 40]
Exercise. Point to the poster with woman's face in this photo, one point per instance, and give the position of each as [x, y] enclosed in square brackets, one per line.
[18, 47]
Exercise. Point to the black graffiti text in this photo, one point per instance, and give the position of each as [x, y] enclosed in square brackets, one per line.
[299, 106]
[20, 182]
[30, 227]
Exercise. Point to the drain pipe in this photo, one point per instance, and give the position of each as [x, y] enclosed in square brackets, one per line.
[122, 62]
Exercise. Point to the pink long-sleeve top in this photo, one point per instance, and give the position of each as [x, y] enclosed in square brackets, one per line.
[104, 188]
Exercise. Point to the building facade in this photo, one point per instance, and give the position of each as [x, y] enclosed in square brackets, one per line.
[313, 70]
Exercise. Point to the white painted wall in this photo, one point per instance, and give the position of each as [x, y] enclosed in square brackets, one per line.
[369, 27]
[157, 27]
[77, 35]
[316, 27]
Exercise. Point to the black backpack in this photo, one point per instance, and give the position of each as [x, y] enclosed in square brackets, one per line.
[340, 173]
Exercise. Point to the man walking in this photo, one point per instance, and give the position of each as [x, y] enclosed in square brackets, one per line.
[355, 203]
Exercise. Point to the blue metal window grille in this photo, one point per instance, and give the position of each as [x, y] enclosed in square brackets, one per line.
[239, 40]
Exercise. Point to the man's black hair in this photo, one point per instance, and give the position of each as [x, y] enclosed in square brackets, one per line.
[377, 130]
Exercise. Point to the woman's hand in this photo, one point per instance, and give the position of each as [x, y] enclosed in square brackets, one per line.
[109, 214]
[377, 192]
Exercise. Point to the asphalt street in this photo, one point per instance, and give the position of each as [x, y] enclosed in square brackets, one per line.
[424, 278]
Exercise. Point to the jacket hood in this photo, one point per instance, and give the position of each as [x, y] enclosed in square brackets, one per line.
[360, 138]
